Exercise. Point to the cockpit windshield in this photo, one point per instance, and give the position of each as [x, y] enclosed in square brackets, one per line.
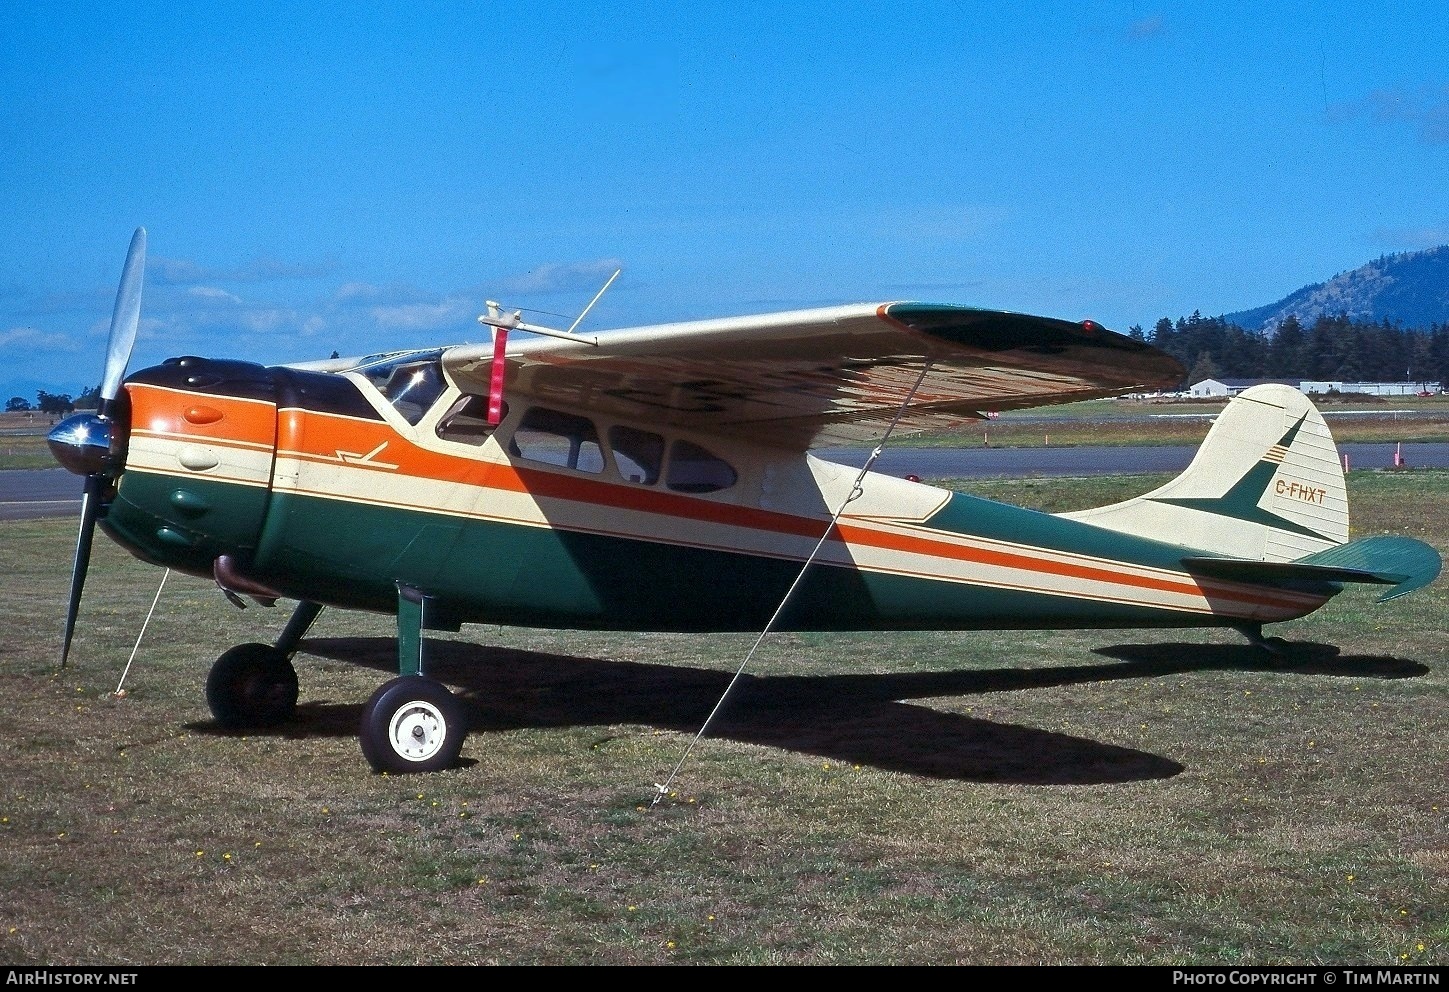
[411, 381]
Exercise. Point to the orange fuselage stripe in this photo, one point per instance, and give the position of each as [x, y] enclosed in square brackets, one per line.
[320, 437]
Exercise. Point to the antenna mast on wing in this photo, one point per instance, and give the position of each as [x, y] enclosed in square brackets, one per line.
[514, 322]
[501, 325]
[580, 319]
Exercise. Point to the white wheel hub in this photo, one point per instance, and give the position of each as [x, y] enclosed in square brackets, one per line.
[417, 730]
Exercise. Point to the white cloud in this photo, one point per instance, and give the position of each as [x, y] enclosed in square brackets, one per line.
[551, 277]
[1426, 108]
[369, 294]
[1147, 27]
[211, 293]
[173, 271]
[265, 320]
[424, 316]
[34, 339]
[146, 327]
[935, 224]
[350, 291]
[1413, 238]
[182, 272]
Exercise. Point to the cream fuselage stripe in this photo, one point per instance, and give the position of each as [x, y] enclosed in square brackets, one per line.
[426, 480]
[886, 549]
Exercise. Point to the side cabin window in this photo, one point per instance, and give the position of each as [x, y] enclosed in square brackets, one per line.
[568, 440]
[466, 421]
[693, 469]
[637, 454]
[557, 438]
[411, 383]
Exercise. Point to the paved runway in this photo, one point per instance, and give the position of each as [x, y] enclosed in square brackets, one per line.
[54, 492]
[977, 463]
[26, 494]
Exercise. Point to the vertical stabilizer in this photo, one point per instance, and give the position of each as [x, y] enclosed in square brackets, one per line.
[1266, 485]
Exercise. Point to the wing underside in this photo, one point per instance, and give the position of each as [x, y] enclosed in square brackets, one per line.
[830, 376]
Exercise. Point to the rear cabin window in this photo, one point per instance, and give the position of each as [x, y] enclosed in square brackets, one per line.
[556, 438]
[693, 469]
[467, 421]
[637, 454]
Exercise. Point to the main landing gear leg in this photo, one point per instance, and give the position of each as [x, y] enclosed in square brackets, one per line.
[255, 685]
[412, 723]
[302, 619]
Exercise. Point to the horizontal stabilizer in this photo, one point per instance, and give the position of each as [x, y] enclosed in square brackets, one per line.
[1402, 562]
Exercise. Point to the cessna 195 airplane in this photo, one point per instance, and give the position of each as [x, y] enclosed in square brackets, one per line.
[661, 478]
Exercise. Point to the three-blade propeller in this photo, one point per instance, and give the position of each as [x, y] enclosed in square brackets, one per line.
[88, 443]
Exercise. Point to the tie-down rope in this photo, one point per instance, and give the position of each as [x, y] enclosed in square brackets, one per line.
[855, 492]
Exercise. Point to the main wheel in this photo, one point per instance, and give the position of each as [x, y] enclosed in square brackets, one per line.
[252, 685]
[412, 724]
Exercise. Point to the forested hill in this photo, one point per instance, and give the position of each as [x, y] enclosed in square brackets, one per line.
[1387, 321]
[1410, 289]
[1328, 349]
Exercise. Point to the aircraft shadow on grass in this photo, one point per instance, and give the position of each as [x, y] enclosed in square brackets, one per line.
[853, 719]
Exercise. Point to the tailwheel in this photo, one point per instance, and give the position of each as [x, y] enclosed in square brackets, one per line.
[252, 685]
[1274, 647]
[412, 724]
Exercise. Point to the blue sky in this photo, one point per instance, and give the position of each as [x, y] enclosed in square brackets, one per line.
[315, 179]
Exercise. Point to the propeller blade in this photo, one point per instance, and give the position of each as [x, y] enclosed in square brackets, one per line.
[90, 510]
[83, 443]
[126, 318]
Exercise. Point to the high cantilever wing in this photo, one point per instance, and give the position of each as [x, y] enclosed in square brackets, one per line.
[835, 375]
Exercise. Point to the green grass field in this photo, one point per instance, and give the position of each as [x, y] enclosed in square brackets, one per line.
[1077, 797]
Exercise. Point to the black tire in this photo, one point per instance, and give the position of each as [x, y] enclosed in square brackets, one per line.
[252, 685]
[412, 724]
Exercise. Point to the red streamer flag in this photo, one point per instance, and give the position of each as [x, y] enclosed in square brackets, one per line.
[495, 389]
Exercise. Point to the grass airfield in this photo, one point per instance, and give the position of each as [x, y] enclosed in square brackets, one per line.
[1075, 797]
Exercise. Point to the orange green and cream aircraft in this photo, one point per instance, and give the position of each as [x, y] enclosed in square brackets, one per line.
[661, 478]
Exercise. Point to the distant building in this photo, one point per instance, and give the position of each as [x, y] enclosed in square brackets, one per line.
[1370, 388]
[1217, 388]
[1231, 387]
